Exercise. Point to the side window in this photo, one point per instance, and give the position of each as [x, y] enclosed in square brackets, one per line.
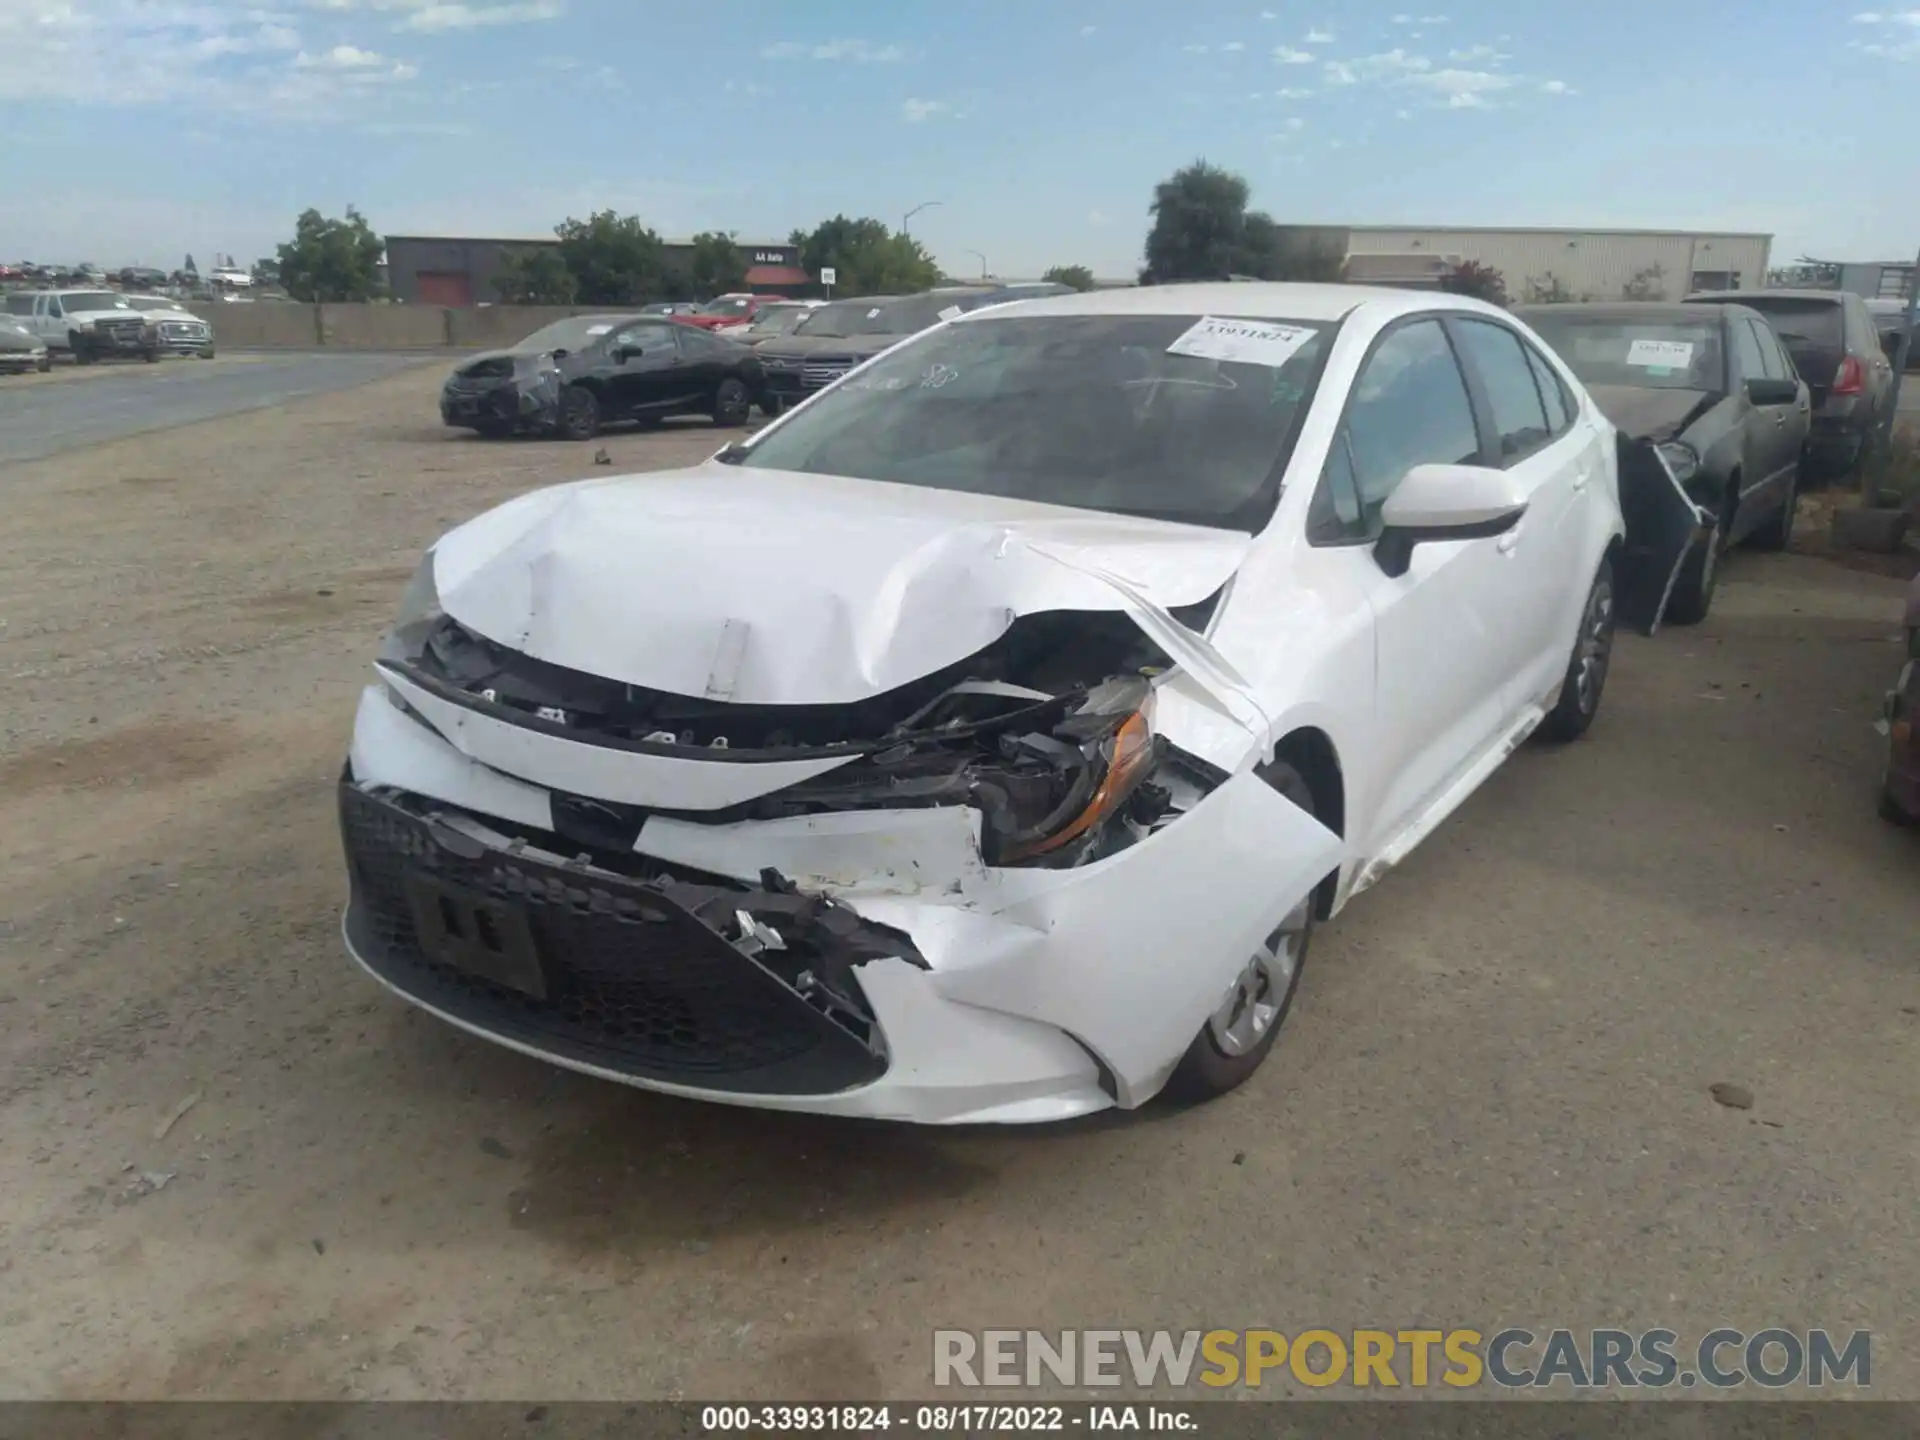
[647, 340]
[1553, 392]
[1773, 360]
[1519, 416]
[20, 304]
[1409, 407]
[53, 307]
[1747, 363]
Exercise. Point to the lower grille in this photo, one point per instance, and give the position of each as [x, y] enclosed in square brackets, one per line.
[119, 332]
[816, 373]
[629, 978]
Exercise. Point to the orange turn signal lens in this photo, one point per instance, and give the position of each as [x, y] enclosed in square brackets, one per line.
[1129, 752]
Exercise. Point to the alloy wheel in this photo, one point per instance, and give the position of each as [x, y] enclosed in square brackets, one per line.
[1596, 642]
[1259, 992]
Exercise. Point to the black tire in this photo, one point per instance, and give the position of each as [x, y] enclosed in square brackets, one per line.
[45, 363]
[1214, 1064]
[1692, 594]
[207, 354]
[1586, 678]
[732, 403]
[82, 352]
[152, 357]
[579, 417]
[771, 406]
[1778, 530]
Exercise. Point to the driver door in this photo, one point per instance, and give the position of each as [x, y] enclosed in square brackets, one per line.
[647, 369]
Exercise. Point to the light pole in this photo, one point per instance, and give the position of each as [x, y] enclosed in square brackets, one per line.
[907, 219]
[983, 262]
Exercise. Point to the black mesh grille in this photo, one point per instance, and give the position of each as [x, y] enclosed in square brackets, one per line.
[633, 982]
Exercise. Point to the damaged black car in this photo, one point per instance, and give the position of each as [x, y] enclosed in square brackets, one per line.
[1716, 396]
[575, 376]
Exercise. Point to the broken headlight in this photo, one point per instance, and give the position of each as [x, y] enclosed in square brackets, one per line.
[419, 612]
[1103, 751]
[1682, 459]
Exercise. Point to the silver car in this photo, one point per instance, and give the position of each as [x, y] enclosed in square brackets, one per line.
[20, 349]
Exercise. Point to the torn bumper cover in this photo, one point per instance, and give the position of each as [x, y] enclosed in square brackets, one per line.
[1007, 882]
[503, 392]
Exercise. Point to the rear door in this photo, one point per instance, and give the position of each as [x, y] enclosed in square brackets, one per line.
[1536, 442]
[1813, 332]
[648, 373]
[1776, 434]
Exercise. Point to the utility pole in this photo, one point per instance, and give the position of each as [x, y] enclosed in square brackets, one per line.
[983, 262]
[907, 219]
[1903, 349]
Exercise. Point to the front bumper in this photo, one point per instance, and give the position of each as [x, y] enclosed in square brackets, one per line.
[1012, 995]
[178, 338]
[504, 402]
[22, 360]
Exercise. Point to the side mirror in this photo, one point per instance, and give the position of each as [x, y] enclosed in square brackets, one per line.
[1773, 392]
[1445, 502]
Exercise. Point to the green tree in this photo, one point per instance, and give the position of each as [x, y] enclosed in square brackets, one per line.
[331, 260]
[717, 266]
[266, 272]
[1548, 289]
[1482, 282]
[1078, 276]
[535, 276]
[613, 259]
[867, 257]
[1199, 225]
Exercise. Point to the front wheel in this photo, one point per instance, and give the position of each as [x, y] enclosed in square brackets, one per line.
[44, 363]
[579, 413]
[732, 403]
[82, 352]
[1239, 1034]
[207, 354]
[1586, 674]
[152, 357]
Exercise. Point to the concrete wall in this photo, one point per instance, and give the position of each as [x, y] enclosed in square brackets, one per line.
[1591, 263]
[270, 325]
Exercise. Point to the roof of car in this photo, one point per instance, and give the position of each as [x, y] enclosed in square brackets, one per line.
[1275, 300]
[1750, 297]
[1627, 310]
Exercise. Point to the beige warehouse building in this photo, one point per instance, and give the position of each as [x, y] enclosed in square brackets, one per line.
[1574, 264]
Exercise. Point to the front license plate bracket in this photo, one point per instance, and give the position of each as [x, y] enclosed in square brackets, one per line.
[476, 934]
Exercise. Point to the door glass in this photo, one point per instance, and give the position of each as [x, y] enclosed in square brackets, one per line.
[647, 341]
[1409, 408]
[1552, 391]
[1746, 354]
[1773, 360]
[1519, 418]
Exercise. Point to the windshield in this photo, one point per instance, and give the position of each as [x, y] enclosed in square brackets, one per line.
[93, 300]
[778, 319]
[1649, 354]
[1091, 411]
[728, 305]
[878, 315]
[575, 333]
[1807, 326]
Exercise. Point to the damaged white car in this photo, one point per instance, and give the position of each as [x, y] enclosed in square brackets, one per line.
[983, 740]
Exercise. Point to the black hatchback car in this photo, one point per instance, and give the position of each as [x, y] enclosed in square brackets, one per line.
[576, 375]
[1834, 343]
[1713, 391]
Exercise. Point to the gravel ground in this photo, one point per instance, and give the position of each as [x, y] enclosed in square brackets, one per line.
[1491, 1106]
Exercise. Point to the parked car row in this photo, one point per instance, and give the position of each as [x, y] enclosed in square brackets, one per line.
[575, 376]
[92, 325]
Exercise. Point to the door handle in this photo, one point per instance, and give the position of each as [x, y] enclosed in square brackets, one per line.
[1780, 418]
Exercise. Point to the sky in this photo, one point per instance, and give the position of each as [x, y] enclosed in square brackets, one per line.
[141, 130]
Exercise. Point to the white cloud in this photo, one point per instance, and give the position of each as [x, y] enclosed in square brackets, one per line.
[1897, 34]
[1293, 92]
[1388, 63]
[915, 111]
[858, 51]
[1403, 114]
[1195, 49]
[1468, 100]
[1318, 36]
[468, 17]
[1268, 15]
[1233, 47]
[1557, 87]
[1338, 72]
[1296, 123]
[1420, 19]
[1479, 55]
[341, 57]
[1462, 82]
[1287, 55]
[1088, 29]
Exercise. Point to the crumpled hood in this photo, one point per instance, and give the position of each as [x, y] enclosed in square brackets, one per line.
[1644, 413]
[771, 588]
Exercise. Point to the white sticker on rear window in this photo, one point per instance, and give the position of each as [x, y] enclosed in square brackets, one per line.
[598, 329]
[873, 313]
[1247, 342]
[950, 312]
[1661, 354]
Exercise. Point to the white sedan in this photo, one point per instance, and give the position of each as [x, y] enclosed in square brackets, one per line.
[983, 740]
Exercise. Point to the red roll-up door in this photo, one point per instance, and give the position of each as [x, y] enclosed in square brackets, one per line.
[445, 287]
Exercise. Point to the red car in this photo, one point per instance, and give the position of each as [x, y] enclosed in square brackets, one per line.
[723, 312]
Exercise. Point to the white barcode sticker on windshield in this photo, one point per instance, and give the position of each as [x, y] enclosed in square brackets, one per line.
[1661, 354]
[951, 312]
[1247, 342]
[873, 313]
[598, 329]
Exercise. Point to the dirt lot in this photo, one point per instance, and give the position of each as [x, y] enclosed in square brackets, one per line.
[1492, 1106]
